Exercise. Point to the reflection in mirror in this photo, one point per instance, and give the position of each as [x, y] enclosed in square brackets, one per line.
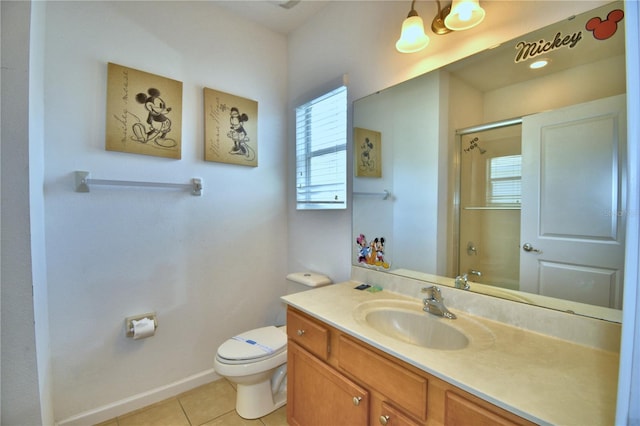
[490, 193]
[510, 175]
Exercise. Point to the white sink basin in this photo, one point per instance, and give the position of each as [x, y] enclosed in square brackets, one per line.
[418, 329]
[405, 321]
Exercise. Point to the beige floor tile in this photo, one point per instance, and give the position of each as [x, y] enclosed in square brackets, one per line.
[233, 419]
[167, 413]
[208, 402]
[277, 418]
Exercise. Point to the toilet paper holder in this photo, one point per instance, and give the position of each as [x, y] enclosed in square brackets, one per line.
[128, 321]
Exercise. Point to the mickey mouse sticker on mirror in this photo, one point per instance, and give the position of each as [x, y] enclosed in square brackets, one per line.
[371, 253]
[367, 153]
[144, 113]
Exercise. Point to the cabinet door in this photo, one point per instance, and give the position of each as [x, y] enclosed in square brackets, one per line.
[318, 395]
[461, 411]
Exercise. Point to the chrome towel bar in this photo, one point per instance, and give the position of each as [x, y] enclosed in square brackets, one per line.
[83, 181]
[385, 194]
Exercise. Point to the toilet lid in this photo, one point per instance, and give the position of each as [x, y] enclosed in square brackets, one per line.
[253, 344]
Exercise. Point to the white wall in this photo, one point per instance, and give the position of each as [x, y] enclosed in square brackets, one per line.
[410, 161]
[628, 407]
[20, 381]
[209, 266]
[375, 216]
[37, 210]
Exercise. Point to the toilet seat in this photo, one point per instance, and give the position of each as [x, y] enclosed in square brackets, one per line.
[253, 346]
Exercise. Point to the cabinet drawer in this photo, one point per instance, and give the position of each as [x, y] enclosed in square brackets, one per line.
[460, 410]
[308, 333]
[390, 416]
[406, 389]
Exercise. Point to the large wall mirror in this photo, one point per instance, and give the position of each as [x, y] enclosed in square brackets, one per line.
[505, 173]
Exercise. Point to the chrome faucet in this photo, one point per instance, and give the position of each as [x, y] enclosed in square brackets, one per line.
[434, 303]
[476, 273]
[462, 281]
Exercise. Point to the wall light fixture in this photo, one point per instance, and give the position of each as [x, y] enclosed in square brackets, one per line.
[459, 15]
[412, 38]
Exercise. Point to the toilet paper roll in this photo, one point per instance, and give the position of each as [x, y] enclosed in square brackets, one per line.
[143, 328]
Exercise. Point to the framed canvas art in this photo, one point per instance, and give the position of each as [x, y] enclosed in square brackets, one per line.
[144, 113]
[367, 153]
[230, 128]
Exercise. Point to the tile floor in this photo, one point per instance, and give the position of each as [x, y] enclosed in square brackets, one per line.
[212, 404]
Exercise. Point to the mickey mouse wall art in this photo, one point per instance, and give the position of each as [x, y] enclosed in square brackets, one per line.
[144, 113]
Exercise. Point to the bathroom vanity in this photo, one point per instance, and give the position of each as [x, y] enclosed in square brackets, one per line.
[345, 369]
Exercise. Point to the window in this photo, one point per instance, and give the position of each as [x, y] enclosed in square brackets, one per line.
[321, 152]
[505, 180]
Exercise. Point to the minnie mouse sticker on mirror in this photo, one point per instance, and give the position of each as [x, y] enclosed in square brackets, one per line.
[230, 128]
[144, 113]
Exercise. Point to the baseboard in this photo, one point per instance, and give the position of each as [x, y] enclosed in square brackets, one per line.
[135, 402]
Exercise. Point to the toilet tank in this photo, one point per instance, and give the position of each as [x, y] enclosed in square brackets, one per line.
[297, 282]
[302, 281]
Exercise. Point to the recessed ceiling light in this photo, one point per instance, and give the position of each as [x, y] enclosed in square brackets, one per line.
[539, 64]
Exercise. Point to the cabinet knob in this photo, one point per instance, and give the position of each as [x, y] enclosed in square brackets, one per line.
[356, 400]
[300, 332]
[384, 420]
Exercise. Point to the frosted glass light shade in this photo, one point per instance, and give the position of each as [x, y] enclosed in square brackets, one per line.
[412, 39]
[464, 14]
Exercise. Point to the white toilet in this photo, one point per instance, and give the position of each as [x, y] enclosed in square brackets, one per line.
[256, 360]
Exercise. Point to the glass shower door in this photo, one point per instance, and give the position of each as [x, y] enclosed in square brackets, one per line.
[489, 203]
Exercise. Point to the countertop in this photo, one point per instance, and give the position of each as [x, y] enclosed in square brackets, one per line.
[541, 378]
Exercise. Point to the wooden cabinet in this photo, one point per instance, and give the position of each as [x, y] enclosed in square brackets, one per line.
[335, 379]
[318, 395]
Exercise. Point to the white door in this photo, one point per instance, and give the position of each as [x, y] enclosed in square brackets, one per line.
[573, 213]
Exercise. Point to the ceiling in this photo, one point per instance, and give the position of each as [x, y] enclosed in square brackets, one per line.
[282, 16]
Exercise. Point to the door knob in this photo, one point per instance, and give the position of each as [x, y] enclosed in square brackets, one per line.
[528, 248]
[356, 400]
[384, 420]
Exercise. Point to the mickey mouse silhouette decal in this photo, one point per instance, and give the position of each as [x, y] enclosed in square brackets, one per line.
[603, 30]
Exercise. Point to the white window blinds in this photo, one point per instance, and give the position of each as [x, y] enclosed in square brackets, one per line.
[505, 180]
[321, 152]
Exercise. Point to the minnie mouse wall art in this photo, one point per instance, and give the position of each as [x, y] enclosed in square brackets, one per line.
[230, 128]
[144, 113]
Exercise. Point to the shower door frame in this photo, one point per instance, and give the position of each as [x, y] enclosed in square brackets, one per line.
[457, 160]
